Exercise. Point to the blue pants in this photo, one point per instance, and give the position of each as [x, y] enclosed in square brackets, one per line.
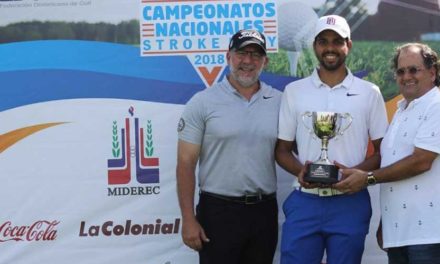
[337, 224]
[416, 254]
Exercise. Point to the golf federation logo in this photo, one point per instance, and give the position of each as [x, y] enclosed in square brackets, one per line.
[133, 157]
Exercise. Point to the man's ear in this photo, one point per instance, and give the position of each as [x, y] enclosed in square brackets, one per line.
[228, 56]
[266, 61]
[349, 44]
[433, 72]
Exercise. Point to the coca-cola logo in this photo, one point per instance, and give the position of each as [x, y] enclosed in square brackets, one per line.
[41, 230]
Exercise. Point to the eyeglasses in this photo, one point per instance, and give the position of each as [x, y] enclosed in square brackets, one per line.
[412, 70]
[255, 55]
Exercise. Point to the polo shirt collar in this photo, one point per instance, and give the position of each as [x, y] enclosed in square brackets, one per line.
[426, 97]
[227, 85]
[346, 83]
[262, 91]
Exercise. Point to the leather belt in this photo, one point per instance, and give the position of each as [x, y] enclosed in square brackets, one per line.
[321, 191]
[250, 198]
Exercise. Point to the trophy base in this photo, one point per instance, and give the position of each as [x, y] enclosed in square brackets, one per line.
[321, 173]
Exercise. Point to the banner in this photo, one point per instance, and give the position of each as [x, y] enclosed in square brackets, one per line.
[92, 92]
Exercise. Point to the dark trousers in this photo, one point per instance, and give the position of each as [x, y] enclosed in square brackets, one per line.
[416, 254]
[239, 233]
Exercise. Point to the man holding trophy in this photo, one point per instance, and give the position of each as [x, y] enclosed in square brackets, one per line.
[330, 115]
[410, 165]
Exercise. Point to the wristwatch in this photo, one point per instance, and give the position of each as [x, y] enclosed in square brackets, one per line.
[371, 180]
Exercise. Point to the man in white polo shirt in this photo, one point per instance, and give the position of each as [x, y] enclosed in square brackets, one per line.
[322, 219]
[410, 167]
[230, 131]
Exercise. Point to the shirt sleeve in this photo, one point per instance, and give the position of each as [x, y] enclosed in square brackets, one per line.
[192, 121]
[287, 118]
[378, 122]
[428, 134]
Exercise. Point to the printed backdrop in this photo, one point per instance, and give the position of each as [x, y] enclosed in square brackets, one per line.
[91, 92]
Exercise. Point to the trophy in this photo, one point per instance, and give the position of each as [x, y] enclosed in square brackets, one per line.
[326, 125]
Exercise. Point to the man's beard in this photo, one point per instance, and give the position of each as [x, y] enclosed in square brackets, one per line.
[245, 81]
[331, 67]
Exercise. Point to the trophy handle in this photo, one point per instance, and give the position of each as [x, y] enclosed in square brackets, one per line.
[304, 116]
[349, 121]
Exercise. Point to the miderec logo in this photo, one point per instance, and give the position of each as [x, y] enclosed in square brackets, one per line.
[121, 170]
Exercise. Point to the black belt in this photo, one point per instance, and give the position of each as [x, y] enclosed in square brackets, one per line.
[251, 198]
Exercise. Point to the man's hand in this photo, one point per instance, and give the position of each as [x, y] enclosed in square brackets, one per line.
[303, 183]
[193, 234]
[352, 181]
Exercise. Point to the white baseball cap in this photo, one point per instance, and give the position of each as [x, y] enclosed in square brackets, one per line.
[333, 22]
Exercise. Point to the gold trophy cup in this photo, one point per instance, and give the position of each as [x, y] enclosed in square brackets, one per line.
[326, 125]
